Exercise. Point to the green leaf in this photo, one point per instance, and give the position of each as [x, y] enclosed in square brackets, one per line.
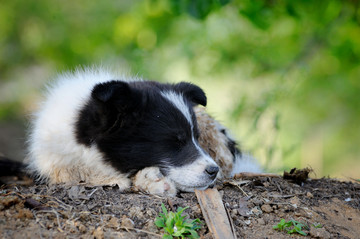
[187, 224]
[159, 222]
[317, 225]
[175, 225]
[177, 234]
[167, 236]
[280, 225]
[169, 230]
[164, 209]
[194, 234]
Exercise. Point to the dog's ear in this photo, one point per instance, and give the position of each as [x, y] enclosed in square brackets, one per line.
[192, 92]
[118, 95]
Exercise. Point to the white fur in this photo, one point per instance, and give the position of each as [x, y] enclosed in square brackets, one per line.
[178, 101]
[54, 153]
[185, 179]
[150, 180]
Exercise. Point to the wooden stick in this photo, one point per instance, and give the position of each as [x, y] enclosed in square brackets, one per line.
[249, 175]
[215, 214]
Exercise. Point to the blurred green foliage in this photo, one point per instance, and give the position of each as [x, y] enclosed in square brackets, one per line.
[283, 75]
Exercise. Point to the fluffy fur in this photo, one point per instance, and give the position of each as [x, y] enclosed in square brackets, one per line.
[103, 129]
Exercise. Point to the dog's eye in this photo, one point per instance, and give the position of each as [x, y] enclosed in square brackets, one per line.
[181, 139]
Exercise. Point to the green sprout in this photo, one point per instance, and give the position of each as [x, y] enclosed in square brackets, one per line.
[286, 226]
[317, 225]
[175, 225]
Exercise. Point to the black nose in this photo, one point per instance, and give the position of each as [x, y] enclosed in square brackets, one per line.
[212, 171]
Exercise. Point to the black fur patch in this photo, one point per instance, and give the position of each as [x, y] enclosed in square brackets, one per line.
[135, 127]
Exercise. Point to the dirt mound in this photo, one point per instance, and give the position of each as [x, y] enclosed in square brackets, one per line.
[328, 208]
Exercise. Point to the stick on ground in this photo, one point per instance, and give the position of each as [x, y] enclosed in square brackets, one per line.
[215, 214]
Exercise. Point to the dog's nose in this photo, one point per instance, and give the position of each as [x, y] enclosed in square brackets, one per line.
[212, 171]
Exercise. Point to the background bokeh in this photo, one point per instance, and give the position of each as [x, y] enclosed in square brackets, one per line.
[283, 75]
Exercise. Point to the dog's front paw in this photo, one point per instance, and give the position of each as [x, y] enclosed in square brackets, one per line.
[151, 180]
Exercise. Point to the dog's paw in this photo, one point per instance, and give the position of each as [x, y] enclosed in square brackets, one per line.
[151, 180]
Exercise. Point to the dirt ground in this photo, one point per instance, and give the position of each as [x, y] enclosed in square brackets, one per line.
[254, 204]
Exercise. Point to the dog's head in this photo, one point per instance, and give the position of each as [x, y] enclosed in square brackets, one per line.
[142, 124]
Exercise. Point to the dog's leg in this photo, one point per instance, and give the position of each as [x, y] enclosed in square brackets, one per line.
[152, 181]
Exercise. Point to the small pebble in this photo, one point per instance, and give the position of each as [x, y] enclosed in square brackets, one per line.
[233, 213]
[295, 201]
[256, 211]
[24, 213]
[261, 221]
[98, 233]
[319, 233]
[266, 208]
[7, 201]
[151, 227]
[136, 212]
[257, 202]
[127, 222]
[82, 228]
[309, 195]
[113, 222]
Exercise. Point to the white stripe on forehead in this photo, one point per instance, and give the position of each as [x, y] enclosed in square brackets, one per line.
[178, 101]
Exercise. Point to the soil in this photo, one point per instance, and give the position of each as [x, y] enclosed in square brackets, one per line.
[329, 208]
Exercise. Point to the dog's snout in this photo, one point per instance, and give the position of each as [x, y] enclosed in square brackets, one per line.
[212, 171]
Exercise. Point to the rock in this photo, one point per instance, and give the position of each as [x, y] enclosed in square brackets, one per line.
[256, 211]
[151, 212]
[127, 222]
[196, 209]
[319, 233]
[247, 222]
[113, 223]
[151, 227]
[257, 202]
[261, 221]
[295, 201]
[24, 214]
[72, 229]
[309, 195]
[98, 233]
[266, 208]
[305, 212]
[8, 201]
[233, 213]
[136, 212]
[82, 228]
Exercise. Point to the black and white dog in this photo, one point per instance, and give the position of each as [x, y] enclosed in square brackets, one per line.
[102, 129]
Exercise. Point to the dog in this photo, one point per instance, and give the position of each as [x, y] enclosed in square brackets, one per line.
[99, 128]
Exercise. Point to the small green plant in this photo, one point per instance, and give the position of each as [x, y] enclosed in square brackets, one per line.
[286, 226]
[317, 225]
[175, 225]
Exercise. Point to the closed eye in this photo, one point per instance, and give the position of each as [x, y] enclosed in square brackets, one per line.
[181, 139]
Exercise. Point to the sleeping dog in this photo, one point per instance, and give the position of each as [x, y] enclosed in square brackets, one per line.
[102, 129]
